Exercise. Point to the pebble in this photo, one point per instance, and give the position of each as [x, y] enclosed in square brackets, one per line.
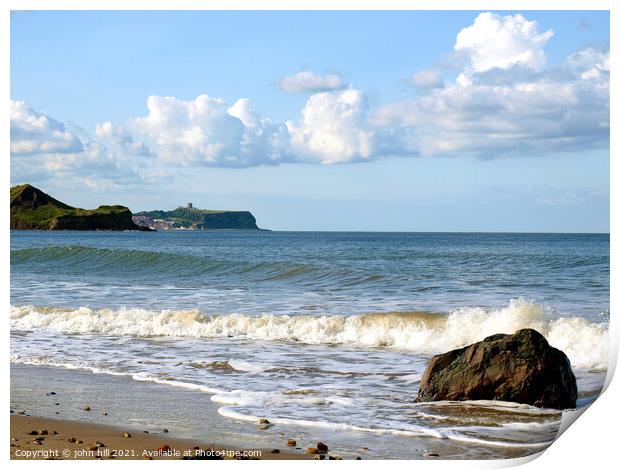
[358, 458]
[105, 413]
[92, 448]
[275, 451]
[165, 430]
[291, 443]
[145, 432]
[72, 439]
[99, 444]
[126, 434]
[86, 408]
[322, 447]
[319, 457]
[147, 457]
[44, 432]
[34, 433]
[431, 454]
[312, 450]
[52, 393]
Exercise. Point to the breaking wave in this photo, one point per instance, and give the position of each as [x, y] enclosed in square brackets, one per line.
[585, 342]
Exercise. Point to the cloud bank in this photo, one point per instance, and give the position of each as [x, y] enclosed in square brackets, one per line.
[504, 101]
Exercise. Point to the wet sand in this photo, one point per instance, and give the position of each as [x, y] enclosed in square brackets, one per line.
[35, 438]
[100, 408]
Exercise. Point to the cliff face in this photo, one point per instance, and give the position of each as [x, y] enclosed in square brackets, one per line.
[199, 219]
[32, 209]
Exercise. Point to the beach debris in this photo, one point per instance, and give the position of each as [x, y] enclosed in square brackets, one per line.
[521, 368]
[312, 450]
[291, 443]
[126, 434]
[86, 408]
[72, 439]
[275, 451]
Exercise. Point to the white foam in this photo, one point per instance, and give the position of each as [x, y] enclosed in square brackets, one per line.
[586, 343]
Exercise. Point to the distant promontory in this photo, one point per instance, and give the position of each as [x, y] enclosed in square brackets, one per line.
[32, 209]
[191, 218]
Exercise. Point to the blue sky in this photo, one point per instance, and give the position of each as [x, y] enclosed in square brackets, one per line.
[430, 121]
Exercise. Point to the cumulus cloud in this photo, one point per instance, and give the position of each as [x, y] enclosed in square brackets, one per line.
[307, 81]
[494, 41]
[504, 102]
[43, 148]
[333, 128]
[427, 79]
[33, 132]
[206, 131]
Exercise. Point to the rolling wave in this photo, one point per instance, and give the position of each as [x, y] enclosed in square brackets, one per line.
[129, 262]
[586, 343]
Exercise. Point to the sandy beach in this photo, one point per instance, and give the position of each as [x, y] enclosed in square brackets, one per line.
[36, 438]
[64, 414]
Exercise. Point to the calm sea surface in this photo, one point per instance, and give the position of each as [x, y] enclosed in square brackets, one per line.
[313, 330]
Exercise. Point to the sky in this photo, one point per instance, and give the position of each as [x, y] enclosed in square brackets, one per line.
[369, 121]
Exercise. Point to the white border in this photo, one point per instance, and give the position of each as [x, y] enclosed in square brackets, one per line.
[592, 441]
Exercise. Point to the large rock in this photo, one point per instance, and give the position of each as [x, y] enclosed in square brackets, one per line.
[520, 368]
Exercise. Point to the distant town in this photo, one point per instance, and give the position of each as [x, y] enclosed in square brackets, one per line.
[192, 218]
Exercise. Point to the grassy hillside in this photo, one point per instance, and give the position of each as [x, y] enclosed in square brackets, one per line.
[32, 209]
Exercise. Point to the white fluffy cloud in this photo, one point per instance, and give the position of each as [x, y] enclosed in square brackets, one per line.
[333, 128]
[307, 81]
[504, 102]
[34, 133]
[206, 131]
[494, 41]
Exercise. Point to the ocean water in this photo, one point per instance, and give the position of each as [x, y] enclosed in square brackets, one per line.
[327, 331]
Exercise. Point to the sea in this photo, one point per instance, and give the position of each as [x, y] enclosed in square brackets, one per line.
[320, 331]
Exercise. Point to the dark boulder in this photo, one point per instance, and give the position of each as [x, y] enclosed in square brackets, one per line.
[520, 368]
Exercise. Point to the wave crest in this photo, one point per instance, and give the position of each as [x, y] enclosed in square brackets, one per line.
[586, 343]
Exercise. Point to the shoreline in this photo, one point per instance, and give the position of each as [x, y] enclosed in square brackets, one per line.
[77, 440]
[98, 407]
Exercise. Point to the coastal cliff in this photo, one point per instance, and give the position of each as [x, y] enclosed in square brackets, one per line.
[32, 209]
[196, 219]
